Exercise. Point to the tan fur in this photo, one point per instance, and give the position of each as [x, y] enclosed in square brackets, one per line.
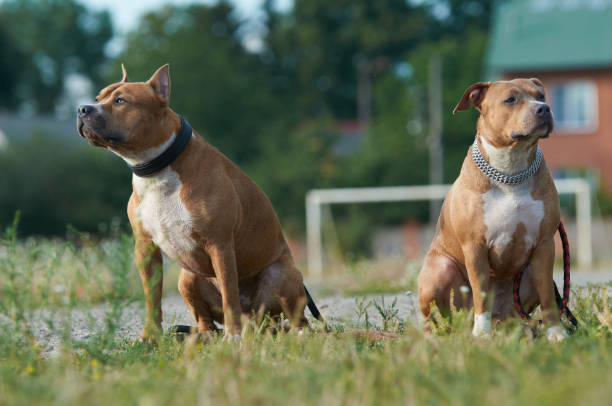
[460, 254]
[240, 263]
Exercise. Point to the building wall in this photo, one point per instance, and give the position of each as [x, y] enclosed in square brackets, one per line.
[592, 150]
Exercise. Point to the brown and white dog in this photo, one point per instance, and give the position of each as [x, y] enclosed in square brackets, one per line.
[201, 210]
[500, 215]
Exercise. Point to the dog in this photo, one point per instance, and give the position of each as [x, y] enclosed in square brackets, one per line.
[500, 215]
[193, 204]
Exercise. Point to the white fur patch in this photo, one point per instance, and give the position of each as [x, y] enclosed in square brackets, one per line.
[232, 338]
[482, 325]
[507, 206]
[504, 159]
[163, 214]
[555, 334]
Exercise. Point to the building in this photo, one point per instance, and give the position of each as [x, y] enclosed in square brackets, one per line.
[568, 45]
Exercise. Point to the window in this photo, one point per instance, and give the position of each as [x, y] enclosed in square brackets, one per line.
[574, 106]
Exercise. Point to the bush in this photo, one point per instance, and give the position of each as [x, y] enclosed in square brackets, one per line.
[54, 183]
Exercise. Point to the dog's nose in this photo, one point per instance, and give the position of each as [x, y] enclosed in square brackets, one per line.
[85, 109]
[543, 110]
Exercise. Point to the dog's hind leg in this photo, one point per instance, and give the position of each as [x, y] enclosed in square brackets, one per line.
[203, 298]
[280, 288]
[438, 277]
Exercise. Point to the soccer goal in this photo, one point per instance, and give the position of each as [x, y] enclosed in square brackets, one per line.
[316, 198]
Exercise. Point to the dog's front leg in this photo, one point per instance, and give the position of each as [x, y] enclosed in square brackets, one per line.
[149, 261]
[150, 266]
[223, 258]
[478, 270]
[542, 264]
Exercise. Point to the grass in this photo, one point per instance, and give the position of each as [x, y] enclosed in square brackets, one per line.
[446, 367]
[390, 276]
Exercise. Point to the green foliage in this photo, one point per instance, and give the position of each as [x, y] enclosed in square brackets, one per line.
[462, 64]
[49, 39]
[53, 184]
[10, 70]
[455, 17]
[313, 51]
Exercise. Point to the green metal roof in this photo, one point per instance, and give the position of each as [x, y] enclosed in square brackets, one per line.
[550, 35]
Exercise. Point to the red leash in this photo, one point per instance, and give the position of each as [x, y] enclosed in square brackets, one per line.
[561, 301]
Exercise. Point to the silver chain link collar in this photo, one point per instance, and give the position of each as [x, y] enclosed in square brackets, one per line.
[501, 177]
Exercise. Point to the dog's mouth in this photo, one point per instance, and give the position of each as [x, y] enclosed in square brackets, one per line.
[80, 125]
[542, 130]
[97, 139]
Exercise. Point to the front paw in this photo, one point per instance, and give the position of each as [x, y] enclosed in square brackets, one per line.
[482, 325]
[146, 340]
[149, 335]
[232, 338]
[556, 334]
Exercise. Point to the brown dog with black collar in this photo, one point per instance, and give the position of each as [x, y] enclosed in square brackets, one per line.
[200, 209]
[500, 215]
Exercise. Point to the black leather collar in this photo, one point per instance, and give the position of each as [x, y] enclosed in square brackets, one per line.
[168, 156]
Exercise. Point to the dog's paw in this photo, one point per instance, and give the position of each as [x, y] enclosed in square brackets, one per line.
[482, 325]
[145, 339]
[556, 334]
[232, 338]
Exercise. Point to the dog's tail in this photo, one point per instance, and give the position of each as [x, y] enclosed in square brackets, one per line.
[312, 306]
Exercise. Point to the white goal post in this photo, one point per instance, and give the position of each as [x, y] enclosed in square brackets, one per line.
[316, 198]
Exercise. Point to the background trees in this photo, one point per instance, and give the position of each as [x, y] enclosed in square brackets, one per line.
[45, 41]
[277, 112]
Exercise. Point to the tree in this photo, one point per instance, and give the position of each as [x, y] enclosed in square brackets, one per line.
[455, 17]
[54, 38]
[217, 85]
[10, 71]
[314, 51]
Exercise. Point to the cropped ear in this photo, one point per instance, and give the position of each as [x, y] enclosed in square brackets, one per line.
[160, 82]
[125, 78]
[538, 83]
[472, 96]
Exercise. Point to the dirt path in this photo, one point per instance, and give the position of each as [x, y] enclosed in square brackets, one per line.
[345, 310]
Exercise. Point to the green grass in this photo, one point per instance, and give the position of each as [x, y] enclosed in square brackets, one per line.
[367, 277]
[446, 367]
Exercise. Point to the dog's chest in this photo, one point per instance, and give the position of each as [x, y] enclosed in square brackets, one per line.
[164, 215]
[512, 218]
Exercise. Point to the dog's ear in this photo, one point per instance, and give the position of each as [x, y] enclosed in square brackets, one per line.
[472, 96]
[538, 83]
[160, 82]
[125, 78]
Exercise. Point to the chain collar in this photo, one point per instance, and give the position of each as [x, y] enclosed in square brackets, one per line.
[501, 177]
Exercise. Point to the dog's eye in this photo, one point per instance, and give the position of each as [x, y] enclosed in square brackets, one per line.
[540, 97]
[96, 99]
[510, 100]
[119, 100]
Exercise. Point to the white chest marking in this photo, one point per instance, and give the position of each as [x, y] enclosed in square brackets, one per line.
[163, 213]
[509, 160]
[505, 207]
